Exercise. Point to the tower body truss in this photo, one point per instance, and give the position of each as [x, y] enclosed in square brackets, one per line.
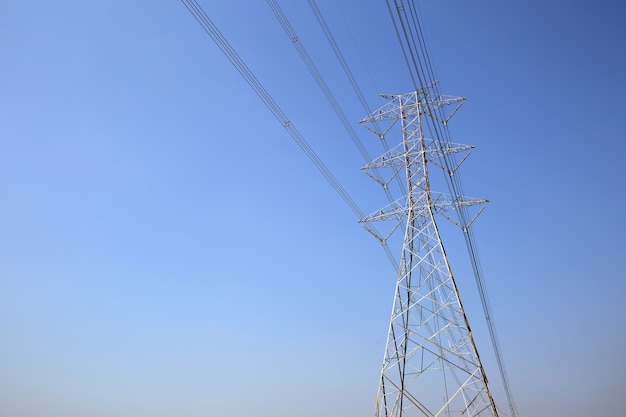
[431, 366]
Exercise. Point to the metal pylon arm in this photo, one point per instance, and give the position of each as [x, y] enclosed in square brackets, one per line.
[395, 210]
[440, 202]
[412, 104]
[395, 157]
[443, 202]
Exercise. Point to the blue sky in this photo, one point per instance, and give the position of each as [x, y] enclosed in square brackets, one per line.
[166, 249]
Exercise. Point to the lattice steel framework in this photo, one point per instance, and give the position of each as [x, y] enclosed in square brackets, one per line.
[431, 366]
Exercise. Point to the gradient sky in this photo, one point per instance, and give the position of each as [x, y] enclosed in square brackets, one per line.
[167, 250]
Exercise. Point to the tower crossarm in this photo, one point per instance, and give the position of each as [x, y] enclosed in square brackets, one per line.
[440, 202]
[395, 157]
[396, 210]
[443, 202]
[424, 101]
[434, 150]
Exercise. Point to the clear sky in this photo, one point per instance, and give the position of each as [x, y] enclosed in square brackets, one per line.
[166, 249]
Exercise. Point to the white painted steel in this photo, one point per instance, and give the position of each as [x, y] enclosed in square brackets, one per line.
[431, 366]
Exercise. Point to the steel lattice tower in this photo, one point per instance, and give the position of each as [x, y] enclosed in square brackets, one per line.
[431, 366]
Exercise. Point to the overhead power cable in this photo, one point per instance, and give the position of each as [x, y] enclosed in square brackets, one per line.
[321, 82]
[412, 41]
[353, 82]
[218, 38]
[319, 79]
[339, 55]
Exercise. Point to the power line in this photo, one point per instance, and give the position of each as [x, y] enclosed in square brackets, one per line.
[211, 29]
[319, 79]
[420, 67]
[352, 79]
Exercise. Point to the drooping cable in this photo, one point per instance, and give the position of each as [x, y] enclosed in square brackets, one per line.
[420, 67]
[353, 82]
[211, 29]
[319, 79]
[339, 55]
[457, 191]
[330, 97]
[321, 82]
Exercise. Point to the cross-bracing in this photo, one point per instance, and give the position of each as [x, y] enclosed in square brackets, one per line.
[431, 366]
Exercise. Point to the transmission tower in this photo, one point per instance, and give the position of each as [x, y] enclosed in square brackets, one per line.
[431, 366]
